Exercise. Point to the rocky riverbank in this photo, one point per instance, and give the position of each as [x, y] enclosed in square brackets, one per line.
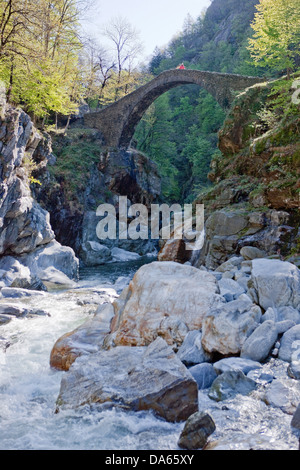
[176, 331]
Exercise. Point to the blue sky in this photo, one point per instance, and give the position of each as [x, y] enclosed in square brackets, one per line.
[156, 20]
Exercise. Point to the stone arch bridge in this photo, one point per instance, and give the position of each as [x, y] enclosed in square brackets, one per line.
[117, 122]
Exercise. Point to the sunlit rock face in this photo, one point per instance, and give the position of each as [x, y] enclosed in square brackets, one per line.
[30, 255]
[277, 283]
[24, 224]
[163, 299]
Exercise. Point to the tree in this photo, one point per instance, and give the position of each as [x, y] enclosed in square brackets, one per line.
[98, 68]
[39, 48]
[126, 46]
[275, 42]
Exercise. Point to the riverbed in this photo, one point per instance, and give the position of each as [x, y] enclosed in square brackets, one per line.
[29, 387]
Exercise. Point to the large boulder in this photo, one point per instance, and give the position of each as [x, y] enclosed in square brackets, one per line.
[52, 255]
[226, 328]
[259, 344]
[276, 282]
[138, 378]
[164, 299]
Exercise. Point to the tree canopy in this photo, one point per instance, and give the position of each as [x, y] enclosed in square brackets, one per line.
[39, 47]
[276, 39]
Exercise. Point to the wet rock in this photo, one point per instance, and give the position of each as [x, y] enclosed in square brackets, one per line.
[13, 310]
[14, 274]
[16, 310]
[196, 431]
[119, 254]
[226, 327]
[132, 378]
[18, 292]
[5, 319]
[259, 344]
[279, 395]
[53, 278]
[164, 299]
[86, 339]
[52, 255]
[204, 374]
[229, 384]
[191, 351]
[4, 344]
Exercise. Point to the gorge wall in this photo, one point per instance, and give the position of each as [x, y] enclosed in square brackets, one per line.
[30, 256]
[255, 196]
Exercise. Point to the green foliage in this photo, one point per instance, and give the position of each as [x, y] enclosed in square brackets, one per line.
[178, 132]
[74, 163]
[39, 47]
[276, 26]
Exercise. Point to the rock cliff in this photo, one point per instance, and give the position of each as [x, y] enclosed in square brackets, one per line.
[28, 249]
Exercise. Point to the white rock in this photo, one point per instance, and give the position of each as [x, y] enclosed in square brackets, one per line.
[229, 286]
[163, 299]
[191, 351]
[289, 343]
[236, 363]
[276, 282]
[259, 344]
[226, 328]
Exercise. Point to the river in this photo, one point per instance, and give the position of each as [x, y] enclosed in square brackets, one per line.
[29, 387]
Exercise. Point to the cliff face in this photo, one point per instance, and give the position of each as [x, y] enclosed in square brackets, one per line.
[28, 249]
[24, 224]
[255, 198]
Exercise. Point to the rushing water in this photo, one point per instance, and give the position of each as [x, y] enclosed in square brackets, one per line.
[29, 388]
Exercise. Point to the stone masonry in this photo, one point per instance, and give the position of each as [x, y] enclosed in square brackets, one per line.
[118, 121]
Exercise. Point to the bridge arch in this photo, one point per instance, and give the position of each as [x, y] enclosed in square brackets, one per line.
[117, 122]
